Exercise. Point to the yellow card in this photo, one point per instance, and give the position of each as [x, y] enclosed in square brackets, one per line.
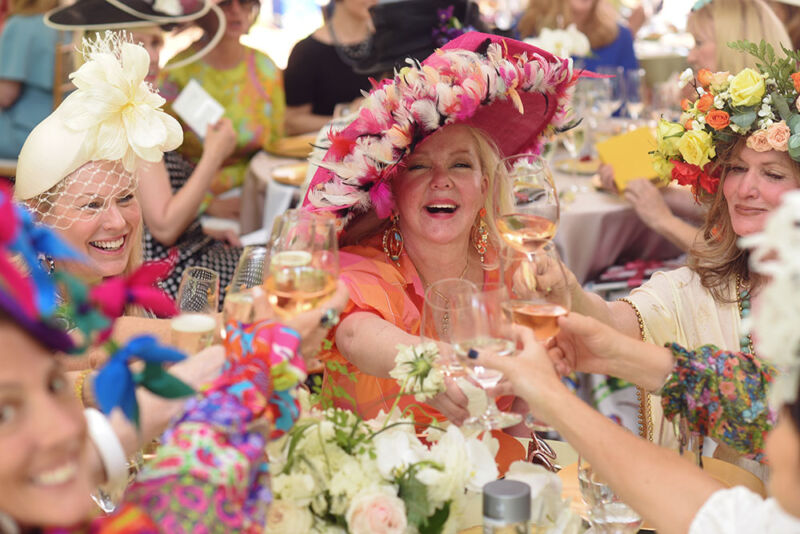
[628, 154]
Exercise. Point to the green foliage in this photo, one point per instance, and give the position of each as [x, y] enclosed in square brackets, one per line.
[794, 147]
[324, 395]
[744, 119]
[777, 68]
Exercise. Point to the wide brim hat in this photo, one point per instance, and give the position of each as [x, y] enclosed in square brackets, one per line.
[414, 29]
[98, 15]
[510, 90]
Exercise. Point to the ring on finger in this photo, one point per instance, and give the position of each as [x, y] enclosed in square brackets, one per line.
[330, 318]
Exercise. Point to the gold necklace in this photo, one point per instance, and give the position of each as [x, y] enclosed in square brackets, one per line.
[743, 302]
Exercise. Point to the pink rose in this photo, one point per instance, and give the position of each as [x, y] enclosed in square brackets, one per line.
[758, 141]
[778, 136]
[376, 512]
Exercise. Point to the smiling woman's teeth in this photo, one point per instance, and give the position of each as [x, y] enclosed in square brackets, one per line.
[108, 245]
[57, 476]
[441, 208]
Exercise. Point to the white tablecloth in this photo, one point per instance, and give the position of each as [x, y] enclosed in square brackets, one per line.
[600, 229]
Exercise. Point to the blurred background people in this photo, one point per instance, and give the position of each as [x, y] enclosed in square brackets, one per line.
[27, 58]
[321, 71]
[248, 85]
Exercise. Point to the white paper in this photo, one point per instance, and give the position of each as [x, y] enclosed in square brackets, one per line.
[197, 108]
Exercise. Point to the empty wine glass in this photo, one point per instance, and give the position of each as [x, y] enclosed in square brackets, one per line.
[478, 322]
[611, 90]
[304, 262]
[526, 206]
[437, 310]
[193, 328]
[607, 513]
[634, 104]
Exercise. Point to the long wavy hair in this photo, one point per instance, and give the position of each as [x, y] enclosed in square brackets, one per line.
[717, 259]
[601, 28]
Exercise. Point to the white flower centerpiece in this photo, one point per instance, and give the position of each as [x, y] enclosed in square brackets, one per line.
[334, 472]
[569, 42]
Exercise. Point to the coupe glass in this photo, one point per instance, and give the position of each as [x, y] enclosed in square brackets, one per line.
[478, 322]
[607, 513]
[526, 206]
[193, 328]
[304, 262]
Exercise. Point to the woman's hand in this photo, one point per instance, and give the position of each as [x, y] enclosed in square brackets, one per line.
[202, 368]
[648, 203]
[606, 173]
[584, 345]
[228, 236]
[220, 141]
[531, 372]
[452, 403]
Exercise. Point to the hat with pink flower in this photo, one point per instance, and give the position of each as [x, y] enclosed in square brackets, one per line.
[512, 91]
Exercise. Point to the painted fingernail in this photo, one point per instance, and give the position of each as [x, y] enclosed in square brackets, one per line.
[472, 354]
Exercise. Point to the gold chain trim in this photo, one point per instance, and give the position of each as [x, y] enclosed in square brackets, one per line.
[645, 415]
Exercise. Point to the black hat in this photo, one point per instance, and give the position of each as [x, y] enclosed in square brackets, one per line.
[415, 28]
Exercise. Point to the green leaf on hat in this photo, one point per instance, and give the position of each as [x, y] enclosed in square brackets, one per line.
[794, 147]
[780, 103]
[744, 119]
[793, 123]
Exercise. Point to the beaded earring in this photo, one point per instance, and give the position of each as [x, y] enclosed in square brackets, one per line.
[393, 241]
[480, 235]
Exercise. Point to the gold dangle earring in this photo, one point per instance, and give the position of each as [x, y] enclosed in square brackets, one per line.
[480, 235]
[393, 241]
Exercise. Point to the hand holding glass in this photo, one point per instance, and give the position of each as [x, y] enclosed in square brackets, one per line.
[198, 299]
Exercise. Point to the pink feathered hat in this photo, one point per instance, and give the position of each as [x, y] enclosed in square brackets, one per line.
[511, 90]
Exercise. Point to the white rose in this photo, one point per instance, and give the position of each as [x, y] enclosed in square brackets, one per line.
[376, 511]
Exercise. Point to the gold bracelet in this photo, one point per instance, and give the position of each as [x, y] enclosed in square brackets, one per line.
[79, 383]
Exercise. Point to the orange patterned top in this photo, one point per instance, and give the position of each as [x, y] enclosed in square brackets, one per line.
[395, 294]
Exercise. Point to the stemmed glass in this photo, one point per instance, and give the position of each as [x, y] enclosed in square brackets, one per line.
[304, 262]
[437, 310]
[478, 322]
[634, 104]
[193, 328]
[607, 513]
[249, 273]
[526, 206]
[538, 289]
[611, 90]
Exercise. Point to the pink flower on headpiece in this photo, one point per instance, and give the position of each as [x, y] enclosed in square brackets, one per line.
[14, 281]
[778, 136]
[140, 289]
[382, 199]
[340, 145]
[758, 141]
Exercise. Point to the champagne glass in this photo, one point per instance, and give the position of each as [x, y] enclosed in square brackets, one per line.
[193, 328]
[304, 262]
[478, 322]
[526, 207]
[249, 273]
[612, 95]
[538, 289]
[437, 310]
[607, 513]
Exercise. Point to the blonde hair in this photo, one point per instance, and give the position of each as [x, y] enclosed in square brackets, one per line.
[601, 29]
[31, 7]
[733, 20]
[718, 258]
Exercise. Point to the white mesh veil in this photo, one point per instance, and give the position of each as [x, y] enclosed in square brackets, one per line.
[84, 194]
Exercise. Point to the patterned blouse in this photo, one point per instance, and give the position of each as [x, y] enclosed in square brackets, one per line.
[253, 98]
[721, 394]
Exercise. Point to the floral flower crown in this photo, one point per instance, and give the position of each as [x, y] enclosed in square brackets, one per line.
[760, 105]
[453, 85]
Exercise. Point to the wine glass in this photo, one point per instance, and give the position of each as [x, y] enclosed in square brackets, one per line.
[611, 90]
[634, 104]
[193, 328]
[437, 310]
[478, 322]
[526, 206]
[304, 262]
[607, 513]
[538, 290]
[239, 301]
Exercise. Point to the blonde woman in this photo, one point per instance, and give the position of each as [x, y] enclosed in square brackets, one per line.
[27, 57]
